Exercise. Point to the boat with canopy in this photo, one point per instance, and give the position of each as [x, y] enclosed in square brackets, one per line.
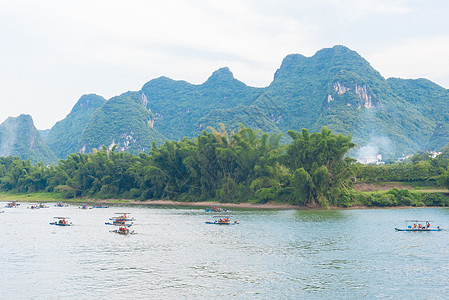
[222, 220]
[215, 209]
[418, 225]
[123, 216]
[122, 220]
[99, 206]
[12, 204]
[61, 221]
[123, 231]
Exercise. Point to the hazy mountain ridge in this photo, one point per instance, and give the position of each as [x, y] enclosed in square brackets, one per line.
[336, 88]
[19, 137]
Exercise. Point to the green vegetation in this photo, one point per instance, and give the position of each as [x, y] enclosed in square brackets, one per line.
[19, 137]
[219, 165]
[425, 174]
[65, 135]
[403, 197]
[123, 121]
[335, 88]
[33, 197]
[232, 166]
[178, 106]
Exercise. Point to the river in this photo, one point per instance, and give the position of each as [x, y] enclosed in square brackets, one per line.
[279, 254]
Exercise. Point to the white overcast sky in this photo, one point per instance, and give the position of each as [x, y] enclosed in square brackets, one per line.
[52, 51]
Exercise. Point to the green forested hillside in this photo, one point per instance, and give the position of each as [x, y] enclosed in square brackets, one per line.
[65, 135]
[339, 89]
[19, 137]
[252, 116]
[178, 106]
[336, 88]
[123, 121]
[224, 165]
[439, 138]
[431, 103]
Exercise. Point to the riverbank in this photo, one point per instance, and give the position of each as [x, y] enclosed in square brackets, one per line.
[269, 205]
[53, 197]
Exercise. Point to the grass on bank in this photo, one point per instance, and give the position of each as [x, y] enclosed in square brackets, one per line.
[33, 197]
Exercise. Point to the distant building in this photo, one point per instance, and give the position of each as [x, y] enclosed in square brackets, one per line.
[372, 159]
[405, 157]
[434, 153]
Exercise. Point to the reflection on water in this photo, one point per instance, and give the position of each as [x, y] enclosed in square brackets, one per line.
[319, 215]
[320, 254]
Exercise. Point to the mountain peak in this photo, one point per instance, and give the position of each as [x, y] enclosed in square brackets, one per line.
[336, 51]
[88, 101]
[221, 75]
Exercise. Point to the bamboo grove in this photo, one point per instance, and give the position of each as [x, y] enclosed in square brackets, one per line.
[220, 165]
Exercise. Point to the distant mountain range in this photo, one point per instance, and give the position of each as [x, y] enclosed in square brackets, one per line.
[336, 88]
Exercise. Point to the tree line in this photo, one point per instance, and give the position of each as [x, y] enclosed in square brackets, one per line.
[221, 165]
[232, 166]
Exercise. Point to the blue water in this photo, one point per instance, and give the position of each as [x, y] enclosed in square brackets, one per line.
[347, 254]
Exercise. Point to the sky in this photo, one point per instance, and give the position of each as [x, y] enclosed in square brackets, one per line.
[52, 51]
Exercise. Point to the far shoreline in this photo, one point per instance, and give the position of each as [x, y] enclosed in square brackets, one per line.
[245, 205]
[27, 198]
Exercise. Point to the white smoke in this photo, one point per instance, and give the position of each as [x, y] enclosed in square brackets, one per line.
[375, 146]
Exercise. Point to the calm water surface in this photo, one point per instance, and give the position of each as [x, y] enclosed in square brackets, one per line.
[348, 254]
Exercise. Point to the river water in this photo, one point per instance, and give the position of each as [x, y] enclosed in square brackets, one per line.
[279, 254]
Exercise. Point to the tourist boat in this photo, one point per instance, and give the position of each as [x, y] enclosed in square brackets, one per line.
[42, 205]
[60, 204]
[418, 225]
[119, 223]
[123, 230]
[215, 209]
[123, 217]
[33, 207]
[12, 204]
[61, 221]
[222, 220]
[83, 207]
[99, 206]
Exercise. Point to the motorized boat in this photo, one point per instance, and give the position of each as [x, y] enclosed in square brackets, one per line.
[215, 209]
[61, 221]
[123, 217]
[12, 204]
[123, 231]
[222, 220]
[122, 220]
[418, 225]
[99, 206]
[119, 223]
